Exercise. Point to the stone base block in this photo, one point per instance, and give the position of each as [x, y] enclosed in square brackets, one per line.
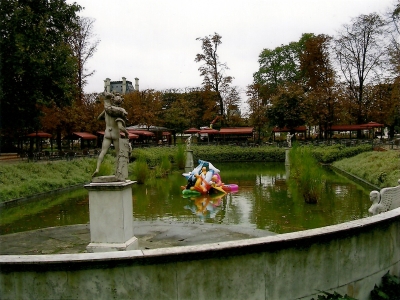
[111, 217]
[131, 244]
[189, 165]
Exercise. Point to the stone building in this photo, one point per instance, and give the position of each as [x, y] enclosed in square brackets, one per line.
[123, 86]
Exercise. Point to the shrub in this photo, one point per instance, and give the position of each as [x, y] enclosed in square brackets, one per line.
[304, 170]
[107, 167]
[163, 168]
[180, 157]
[329, 296]
[141, 169]
[153, 155]
[389, 289]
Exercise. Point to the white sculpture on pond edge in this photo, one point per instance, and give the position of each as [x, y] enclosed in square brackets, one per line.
[289, 139]
[385, 200]
[188, 142]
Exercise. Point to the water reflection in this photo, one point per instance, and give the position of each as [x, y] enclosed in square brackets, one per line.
[205, 206]
[265, 200]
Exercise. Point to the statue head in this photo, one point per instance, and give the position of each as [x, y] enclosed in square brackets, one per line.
[374, 196]
[104, 96]
[118, 99]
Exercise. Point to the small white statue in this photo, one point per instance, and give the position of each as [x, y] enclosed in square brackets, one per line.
[188, 142]
[375, 208]
[386, 199]
[289, 139]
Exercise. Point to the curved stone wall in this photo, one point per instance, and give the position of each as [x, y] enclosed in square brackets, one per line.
[348, 258]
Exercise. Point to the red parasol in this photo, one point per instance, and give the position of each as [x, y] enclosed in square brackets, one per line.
[85, 135]
[39, 134]
[131, 135]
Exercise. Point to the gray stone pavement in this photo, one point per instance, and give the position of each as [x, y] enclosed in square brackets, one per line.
[151, 235]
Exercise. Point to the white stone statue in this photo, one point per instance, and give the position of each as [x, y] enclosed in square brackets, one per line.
[385, 200]
[375, 208]
[115, 118]
[289, 139]
[188, 142]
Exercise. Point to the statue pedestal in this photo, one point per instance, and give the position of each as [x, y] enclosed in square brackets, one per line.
[287, 161]
[189, 161]
[111, 217]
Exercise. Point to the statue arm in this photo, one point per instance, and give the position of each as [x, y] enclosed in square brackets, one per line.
[101, 116]
[115, 111]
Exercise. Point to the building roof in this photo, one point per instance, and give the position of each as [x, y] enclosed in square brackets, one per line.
[141, 132]
[209, 131]
[236, 130]
[285, 129]
[192, 130]
[40, 134]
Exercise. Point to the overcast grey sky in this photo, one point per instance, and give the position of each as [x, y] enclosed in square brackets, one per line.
[156, 40]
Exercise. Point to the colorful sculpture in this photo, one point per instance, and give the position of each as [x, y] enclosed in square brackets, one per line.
[205, 179]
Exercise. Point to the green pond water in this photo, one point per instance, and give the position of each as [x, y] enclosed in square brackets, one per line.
[265, 200]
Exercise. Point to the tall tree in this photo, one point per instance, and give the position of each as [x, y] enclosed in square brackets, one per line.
[84, 45]
[359, 50]
[278, 66]
[232, 106]
[393, 29]
[38, 65]
[144, 107]
[257, 109]
[288, 107]
[319, 81]
[203, 102]
[212, 70]
[180, 115]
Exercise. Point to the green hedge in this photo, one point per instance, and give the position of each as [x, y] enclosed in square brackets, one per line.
[324, 154]
[237, 153]
[154, 155]
[329, 154]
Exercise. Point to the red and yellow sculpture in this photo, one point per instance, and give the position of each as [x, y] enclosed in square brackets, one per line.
[205, 179]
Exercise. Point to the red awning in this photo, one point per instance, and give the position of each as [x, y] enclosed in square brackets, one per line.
[39, 134]
[85, 135]
[131, 135]
[191, 130]
[209, 131]
[284, 129]
[141, 132]
[166, 133]
[237, 130]
[372, 125]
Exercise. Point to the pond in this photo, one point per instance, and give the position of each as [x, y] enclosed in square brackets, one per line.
[265, 200]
